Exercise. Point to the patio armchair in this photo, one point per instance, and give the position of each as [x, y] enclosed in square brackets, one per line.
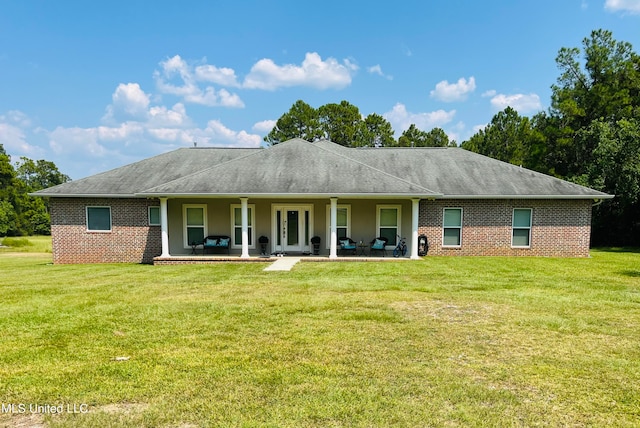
[379, 244]
[347, 245]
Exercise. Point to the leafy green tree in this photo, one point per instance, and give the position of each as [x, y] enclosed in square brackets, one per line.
[301, 121]
[510, 138]
[21, 214]
[413, 137]
[340, 122]
[615, 170]
[374, 131]
[7, 217]
[606, 86]
[40, 174]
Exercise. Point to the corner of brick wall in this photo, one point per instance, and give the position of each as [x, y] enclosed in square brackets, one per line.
[561, 228]
[131, 239]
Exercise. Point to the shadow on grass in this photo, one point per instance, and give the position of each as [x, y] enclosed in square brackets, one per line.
[631, 273]
[618, 249]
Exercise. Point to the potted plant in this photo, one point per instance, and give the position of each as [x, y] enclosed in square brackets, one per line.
[316, 245]
[263, 241]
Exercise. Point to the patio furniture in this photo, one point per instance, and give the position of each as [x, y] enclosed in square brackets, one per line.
[315, 241]
[214, 242]
[379, 244]
[347, 245]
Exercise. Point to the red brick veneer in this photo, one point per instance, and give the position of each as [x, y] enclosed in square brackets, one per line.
[131, 238]
[559, 227]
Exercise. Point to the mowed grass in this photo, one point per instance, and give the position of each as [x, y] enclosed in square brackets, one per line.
[437, 342]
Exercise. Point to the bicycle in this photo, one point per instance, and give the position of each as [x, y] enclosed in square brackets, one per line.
[401, 248]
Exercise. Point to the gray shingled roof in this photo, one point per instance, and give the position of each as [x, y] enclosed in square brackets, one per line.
[300, 168]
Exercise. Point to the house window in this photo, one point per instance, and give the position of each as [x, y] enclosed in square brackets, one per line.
[521, 232]
[388, 222]
[99, 219]
[154, 216]
[343, 222]
[452, 227]
[195, 223]
[236, 225]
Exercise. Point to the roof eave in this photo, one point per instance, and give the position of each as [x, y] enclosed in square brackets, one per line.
[86, 195]
[293, 195]
[555, 196]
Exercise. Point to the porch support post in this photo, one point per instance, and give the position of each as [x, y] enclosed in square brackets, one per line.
[333, 242]
[164, 227]
[244, 209]
[415, 215]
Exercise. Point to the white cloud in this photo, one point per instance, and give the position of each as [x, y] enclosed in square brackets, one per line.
[376, 69]
[128, 101]
[449, 92]
[401, 119]
[221, 76]
[76, 141]
[523, 103]
[179, 78]
[630, 6]
[131, 99]
[489, 93]
[160, 116]
[13, 138]
[313, 72]
[264, 126]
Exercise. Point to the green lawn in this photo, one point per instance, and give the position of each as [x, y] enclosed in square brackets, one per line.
[442, 341]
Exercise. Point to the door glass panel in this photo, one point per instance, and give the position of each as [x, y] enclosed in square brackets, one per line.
[279, 227]
[292, 227]
[306, 228]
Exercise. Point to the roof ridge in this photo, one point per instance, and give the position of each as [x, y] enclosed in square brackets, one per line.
[373, 168]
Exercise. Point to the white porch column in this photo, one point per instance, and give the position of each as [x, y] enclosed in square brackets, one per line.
[244, 209]
[415, 215]
[333, 243]
[164, 227]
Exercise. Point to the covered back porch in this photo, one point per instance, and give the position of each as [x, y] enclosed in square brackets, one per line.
[289, 224]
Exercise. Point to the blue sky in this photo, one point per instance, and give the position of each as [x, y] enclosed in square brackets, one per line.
[95, 85]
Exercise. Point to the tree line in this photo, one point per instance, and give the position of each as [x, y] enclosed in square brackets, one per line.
[343, 124]
[590, 135]
[21, 214]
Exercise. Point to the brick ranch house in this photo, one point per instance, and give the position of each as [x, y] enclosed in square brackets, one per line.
[465, 203]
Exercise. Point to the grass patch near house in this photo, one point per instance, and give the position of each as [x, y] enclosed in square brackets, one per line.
[25, 244]
[443, 341]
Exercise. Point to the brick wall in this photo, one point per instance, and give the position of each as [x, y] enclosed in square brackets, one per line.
[559, 227]
[131, 239]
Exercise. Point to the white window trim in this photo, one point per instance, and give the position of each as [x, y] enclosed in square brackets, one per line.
[86, 210]
[328, 228]
[513, 214]
[149, 215]
[184, 222]
[390, 245]
[252, 210]
[453, 227]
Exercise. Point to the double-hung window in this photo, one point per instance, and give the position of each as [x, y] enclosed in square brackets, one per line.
[99, 219]
[388, 222]
[452, 227]
[521, 228]
[236, 225]
[343, 222]
[195, 223]
[154, 216]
